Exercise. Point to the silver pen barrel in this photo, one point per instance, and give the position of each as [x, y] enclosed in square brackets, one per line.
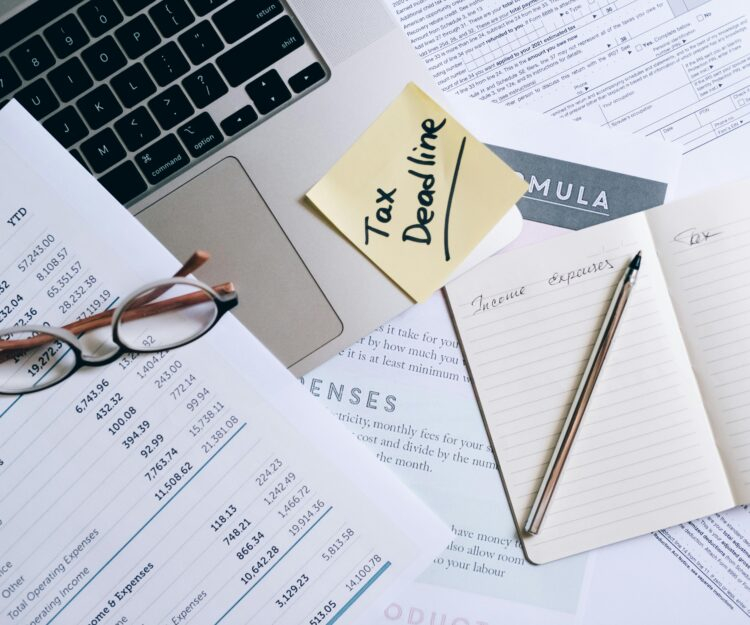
[583, 395]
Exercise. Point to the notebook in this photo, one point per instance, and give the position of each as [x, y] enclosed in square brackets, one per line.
[666, 437]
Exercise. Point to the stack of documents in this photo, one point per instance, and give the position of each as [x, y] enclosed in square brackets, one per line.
[194, 484]
[222, 499]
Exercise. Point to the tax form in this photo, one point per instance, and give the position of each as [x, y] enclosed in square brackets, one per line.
[197, 485]
[674, 69]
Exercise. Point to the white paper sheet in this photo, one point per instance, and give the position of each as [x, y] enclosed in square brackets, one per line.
[675, 69]
[568, 166]
[695, 573]
[260, 509]
[565, 140]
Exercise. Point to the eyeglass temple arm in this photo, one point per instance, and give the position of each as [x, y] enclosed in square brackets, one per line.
[198, 259]
[144, 309]
[104, 319]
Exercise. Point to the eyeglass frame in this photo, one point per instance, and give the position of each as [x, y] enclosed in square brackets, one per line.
[223, 302]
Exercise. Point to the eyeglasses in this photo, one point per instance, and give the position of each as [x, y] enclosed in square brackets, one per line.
[157, 317]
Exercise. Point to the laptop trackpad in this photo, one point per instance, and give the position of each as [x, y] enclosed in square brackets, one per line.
[222, 212]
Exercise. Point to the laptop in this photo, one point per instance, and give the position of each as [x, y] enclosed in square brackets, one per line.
[209, 120]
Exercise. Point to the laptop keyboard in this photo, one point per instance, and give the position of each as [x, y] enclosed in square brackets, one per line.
[137, 90]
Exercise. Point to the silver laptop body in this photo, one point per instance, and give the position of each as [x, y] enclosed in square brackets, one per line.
[230, 173]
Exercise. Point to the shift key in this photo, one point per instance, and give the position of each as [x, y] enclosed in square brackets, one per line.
[161, 159]
[263, 49]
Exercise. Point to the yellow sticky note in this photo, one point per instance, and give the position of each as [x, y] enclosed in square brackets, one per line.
[416, 193]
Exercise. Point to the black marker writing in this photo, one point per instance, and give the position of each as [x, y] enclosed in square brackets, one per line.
[385, 203]
[424, 156]
[419, 232]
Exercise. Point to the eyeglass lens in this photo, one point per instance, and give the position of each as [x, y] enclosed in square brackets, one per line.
[168, 318]
[46, 362]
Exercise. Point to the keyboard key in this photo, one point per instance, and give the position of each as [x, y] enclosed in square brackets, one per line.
[99, 107]
[170, 107]
[201, 7]
[131, 7]
[32, 57]
[70, 79]
[307, 77]
[104, 58]
[204, 86]
[77, 155]
[99, 16]
[171, 16]
[37, 98]
[133, 85]
[162, 159]
[239, 120]
[167, 64]
[124, 182]
[9, 79]
[137, 129]
[256, 53]
[66, 36]
[200, 135]
[103, 150]
[36, 15]
[268, 92]
[67, 127]
[200, 42]
[137, 37]
[244, 16]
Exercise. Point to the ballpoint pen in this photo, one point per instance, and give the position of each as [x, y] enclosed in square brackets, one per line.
[582, 396]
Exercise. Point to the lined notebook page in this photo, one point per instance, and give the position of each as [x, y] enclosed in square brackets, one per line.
[704, 245]
[644, 457]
